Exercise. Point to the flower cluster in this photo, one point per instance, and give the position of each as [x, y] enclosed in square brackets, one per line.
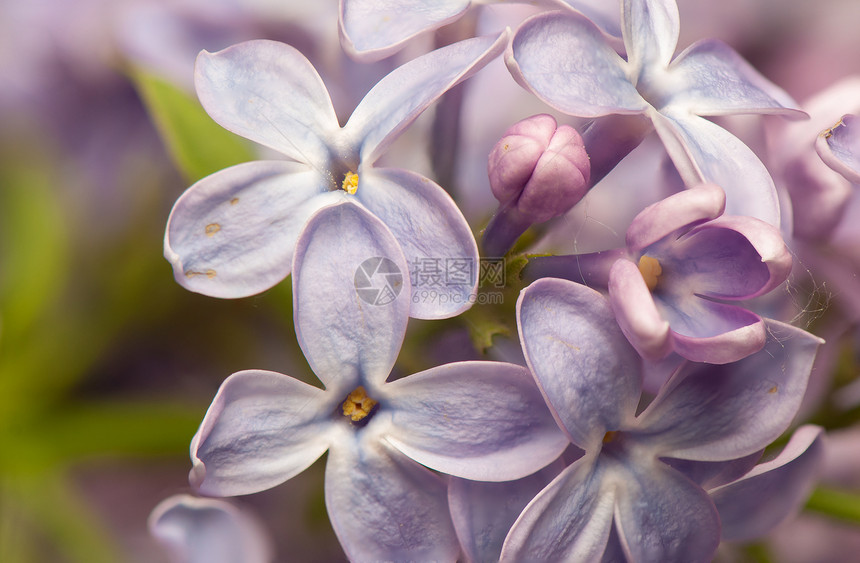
[630, 422]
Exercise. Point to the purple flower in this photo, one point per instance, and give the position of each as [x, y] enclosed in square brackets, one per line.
[205, 530]
[371, 30]
[684, 259]
[233, 234]
[621, 488]
[477, 420]
[568, 63]
[839, 147]
[819, 195]
[537, 171]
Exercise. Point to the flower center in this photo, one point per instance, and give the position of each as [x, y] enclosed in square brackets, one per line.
[609, 436]
[350, 185]
[358, 405]
[650, 269]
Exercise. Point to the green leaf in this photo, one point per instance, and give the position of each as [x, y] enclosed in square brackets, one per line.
[198, 145]
[33, 249]
[110, 429]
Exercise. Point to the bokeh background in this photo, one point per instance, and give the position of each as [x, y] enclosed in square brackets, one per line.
[107, 365]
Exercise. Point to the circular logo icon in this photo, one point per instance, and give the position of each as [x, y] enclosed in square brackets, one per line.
[378, 281]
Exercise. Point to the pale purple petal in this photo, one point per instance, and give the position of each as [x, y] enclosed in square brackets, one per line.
[384, 506]
[752, 506]
[839, 147]
[485, 421]
[588, 373]
[650, 29]
[712, 474]
[261, 429]
[705, 152]
[351, 296]
[205, 530]
[483, 513]
[663, 516]
[712, 332]
[567, 62]
[429, 226]
[399, 98]
[604, 13]
[270, 93]
[636, 312]
[723, 348]
[233, 233]
[374, 29]
[720, 412]
[569, 520]
[683, 209]
[712, 79]
[728, 258]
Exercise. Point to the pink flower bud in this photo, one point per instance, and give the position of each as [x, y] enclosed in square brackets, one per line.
[539, 168]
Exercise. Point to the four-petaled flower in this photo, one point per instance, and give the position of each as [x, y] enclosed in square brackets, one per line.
[624, 484]
[233, 233]
[684, 259]
[478, 420]
[566, 61]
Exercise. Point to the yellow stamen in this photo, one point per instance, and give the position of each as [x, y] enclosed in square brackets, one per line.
[358, 405]
[651, 270]
[609, 436]
[350, 183]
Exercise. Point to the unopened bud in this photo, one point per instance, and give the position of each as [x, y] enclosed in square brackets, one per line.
[540, 168]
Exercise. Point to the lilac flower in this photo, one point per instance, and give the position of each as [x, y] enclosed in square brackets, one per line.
[371, 30]
[683, 260]
[538, 170]
[204, 530]
[477, 420]
[567, 62]
[819, 195]
[839, 147]
[590, 377]
[233, 234]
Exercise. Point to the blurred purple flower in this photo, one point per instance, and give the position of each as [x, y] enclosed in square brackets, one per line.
[372, 29]
[477, 420]
[591, 378]
[233, 233]
[819, 195]
[683, 260]
[565, 60]
[205, 530]
[839, 147]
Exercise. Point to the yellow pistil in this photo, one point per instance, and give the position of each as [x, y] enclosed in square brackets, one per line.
[350, 183]
[651, 270]
[358, 405]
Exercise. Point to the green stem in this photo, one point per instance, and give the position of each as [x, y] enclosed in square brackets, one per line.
[840, 504]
